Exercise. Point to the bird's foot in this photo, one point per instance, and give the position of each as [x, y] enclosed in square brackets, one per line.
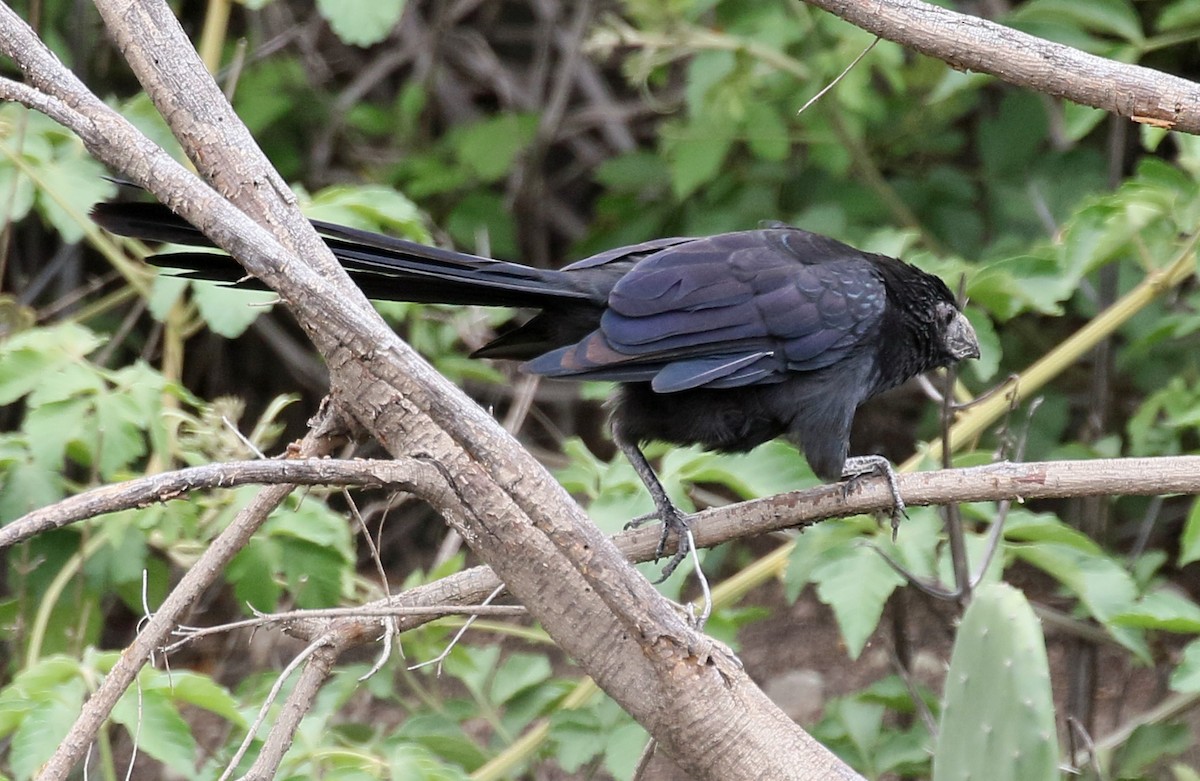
[864, 466]
[673, 520]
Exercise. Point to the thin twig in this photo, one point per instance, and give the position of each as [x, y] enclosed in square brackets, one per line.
[839, 77]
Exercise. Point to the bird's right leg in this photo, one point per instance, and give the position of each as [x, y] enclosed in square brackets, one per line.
[673, 519]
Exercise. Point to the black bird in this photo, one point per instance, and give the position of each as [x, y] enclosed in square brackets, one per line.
[725, 341]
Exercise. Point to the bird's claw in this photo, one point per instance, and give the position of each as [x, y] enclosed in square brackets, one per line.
[672, 521]
[863, 466]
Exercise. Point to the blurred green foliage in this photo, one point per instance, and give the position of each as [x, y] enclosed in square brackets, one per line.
[1049, 211]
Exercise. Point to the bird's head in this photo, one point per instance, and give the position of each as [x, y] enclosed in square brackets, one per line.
[958, 338]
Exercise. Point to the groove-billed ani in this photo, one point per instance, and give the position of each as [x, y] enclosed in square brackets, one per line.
[726, 341]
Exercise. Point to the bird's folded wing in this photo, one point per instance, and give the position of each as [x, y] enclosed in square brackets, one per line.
[728, 311]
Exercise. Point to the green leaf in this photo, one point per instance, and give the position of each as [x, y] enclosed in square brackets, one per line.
[29, 359]
[622, 747]
[696, 153]
[442, 734]
[119, 435]
[44, 726]
[817, 545]
[165, 290]
[369, 207]
[1011, 140]
[518, 673]
[1186, 675]
[772, 469]
[574, 734]
[33, 684]
[856, 585]
[250, 573]
[229, 312]
[52, 427]
[314, 572]
[1148, 745]
[28, 485]
[473, 667]
[1025, 526]
[1102, 585]
[159, 729]
[1184, 773]
[635, 172]
[1165, 610]
[70, 186]
[1180, 14]
[203, 692]
[490, 147]
[361, 22]
[416, 763]
[1189, 540]
[1114, 17]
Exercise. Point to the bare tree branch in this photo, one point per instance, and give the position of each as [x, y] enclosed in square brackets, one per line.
[970, 43]
[673, 679]
[990, 483]
[157, 631]
[406, 474]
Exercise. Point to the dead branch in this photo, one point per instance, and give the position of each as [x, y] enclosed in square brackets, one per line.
[605, 615]
[990, 483]
[969, 43]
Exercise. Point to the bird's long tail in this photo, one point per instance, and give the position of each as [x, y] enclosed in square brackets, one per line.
[386, 268]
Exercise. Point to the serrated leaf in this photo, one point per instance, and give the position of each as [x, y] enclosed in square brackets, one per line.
[518, 673]
[705, 70]
[1164, 610]
[442, 734]
[622, 747]
[574, 734]
[69, 187]
[314, 572]
[44, 726]
[1186, 675]
[249, 572]
[160, 731]
[1185, 773]
[165, 290]
[774, 468]
[361, 22]
[1102, 585]
[19, 196]
[416, 763]
[51, 427]
[229, 312]
[28, 486]
[29, 358]
[766, 133]
[474, 667]
[119, 435]
[369, 207]
[1025, 526]
[856, 585]
[813, 548]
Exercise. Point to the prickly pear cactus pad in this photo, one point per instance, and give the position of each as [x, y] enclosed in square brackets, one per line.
[998, 713]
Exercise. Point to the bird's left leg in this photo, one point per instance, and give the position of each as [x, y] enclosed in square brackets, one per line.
[860, 466]
[673, 519]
